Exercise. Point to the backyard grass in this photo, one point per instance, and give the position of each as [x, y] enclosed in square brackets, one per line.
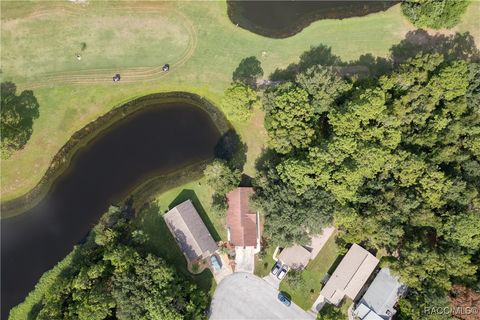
[264, 265]
[40, 40]
[162, 243]
[307, 292]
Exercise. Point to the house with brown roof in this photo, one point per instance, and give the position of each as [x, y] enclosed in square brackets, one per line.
[242, 221]
[350, 276]
[189, 231]
[243, 229]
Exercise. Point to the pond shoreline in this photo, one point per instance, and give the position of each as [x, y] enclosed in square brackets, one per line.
[63, 158]
[300, 18]
[145, 146]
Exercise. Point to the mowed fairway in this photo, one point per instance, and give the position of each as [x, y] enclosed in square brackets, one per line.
[39, 41]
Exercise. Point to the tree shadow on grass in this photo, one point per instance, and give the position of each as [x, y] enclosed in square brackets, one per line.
[248, 71]
[232, 149]
[455, 46]
[188, 194]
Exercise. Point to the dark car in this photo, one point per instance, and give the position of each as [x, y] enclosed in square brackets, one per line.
[282, 272]
[276, 268]
[116, 77]
[166, 67]
[284, 299]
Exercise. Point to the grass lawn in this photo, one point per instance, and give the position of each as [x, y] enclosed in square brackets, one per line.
[40, 39]
[264, 266]
[306, 294]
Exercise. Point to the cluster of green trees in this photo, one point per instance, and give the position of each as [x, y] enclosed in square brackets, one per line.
[395, 162]
[240, 98]
[111, 276]
[434, 14]
[222, 179]
[17, 114]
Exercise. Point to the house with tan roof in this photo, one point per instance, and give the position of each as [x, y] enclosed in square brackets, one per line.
[350, 276]
[243, 228]
[190, 232]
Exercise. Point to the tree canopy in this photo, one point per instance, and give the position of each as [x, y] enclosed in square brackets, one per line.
[112, 277]
[239, 101]
[17, 115]
[248, 71]
[222, 179]
[434, 14]
[398, 161]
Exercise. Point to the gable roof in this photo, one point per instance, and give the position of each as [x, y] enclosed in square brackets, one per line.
[296, 257]
[190, 232]
[383, 294]
[350, 276]
[241, 219]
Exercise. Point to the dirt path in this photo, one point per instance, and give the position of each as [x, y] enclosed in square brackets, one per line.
[129, 75]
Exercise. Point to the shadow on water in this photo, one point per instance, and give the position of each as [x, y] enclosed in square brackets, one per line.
[188, 194]
[281, 19]
[159, 138]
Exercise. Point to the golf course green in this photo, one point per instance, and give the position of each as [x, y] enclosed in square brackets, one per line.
[40, 42]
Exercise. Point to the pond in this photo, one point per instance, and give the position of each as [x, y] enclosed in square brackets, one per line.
[158, 138]
[281, 19]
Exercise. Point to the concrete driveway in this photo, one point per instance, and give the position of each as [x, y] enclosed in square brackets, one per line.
[244, 259]
[272, 280]
[245, 296]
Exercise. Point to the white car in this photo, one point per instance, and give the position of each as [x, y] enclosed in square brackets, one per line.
[282, 272]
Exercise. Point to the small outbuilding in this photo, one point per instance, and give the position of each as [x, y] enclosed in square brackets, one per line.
[381, 297]
[189, 231]
[350, 276]
[296, 257]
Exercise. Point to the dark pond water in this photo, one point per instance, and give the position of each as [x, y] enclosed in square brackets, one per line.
[281, 19]
[159, 138]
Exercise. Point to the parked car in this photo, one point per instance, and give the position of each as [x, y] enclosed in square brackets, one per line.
[276, 268]
[282, 272]
[215, 263]
[284, 299]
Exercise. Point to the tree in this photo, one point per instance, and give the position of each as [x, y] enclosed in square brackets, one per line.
[289, 118]
[434, 14]
[221, 178]
[17, 115]
[330, 312]
[219, 204]
[395, 161]
[289, 217]
[294, 279]
[239, 101]
[248, 71]
[113, 277]
[323, 86]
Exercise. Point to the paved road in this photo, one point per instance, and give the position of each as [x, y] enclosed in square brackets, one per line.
[246, 296]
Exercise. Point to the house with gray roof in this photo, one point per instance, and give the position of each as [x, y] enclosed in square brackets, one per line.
[350, 276]
[381, 297]
[189, 231]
